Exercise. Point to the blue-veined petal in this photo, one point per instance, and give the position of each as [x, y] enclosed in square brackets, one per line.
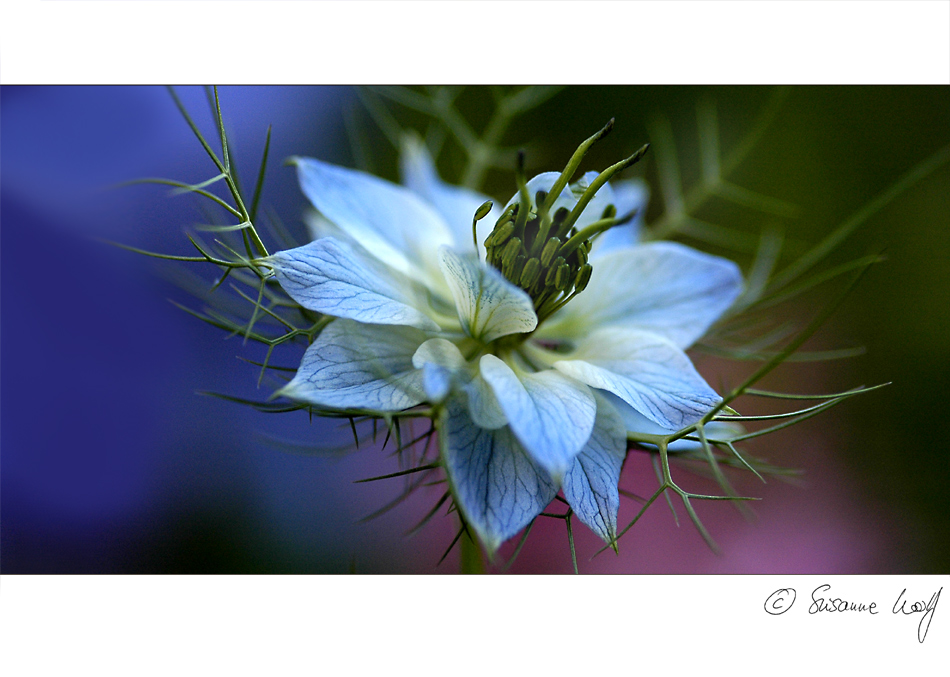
[662, 287]
[389, 221]
[645, 370]
[335, 278]
[489, 306]
[456, 204]
[444, 367]
[483, 405]
[442, 364]
[590, 486]
[635, 422]
[497, 487]
[551, 415]
[360, 366]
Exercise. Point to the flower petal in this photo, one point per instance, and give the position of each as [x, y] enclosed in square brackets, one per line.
[590, 487]
[498, 488]
[389, 221]
[569, 196]
[545, 182]
[489, 306]
[456, 205]
[645, 370]
[551, 415]
[332, 277]
[635, 422]
[483, 405]
[662, 287]
[441, 363]
[361, 366]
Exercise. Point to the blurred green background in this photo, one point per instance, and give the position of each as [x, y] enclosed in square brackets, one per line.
[211, 496]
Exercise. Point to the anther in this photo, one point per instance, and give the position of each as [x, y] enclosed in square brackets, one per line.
[530, 273]
[480, 214]
[583, 277]
[550, 249]
[562, 278]
[552, 272]
[517, 266]
[500, 234]
[512, 249]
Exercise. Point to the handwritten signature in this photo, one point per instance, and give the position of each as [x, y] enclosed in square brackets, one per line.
[782, 600]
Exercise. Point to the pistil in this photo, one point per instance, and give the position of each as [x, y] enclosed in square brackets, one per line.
[543, 253]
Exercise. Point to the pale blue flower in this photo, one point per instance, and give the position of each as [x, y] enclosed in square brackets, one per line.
[529, 407]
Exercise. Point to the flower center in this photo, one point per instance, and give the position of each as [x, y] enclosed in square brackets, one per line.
[543, 253]
[543, 256]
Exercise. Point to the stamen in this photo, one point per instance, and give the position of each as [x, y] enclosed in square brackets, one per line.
[480, 214]
[550, 249]
[512, 249]
[582, 254]
[500, 234]
[562, 278]
[516, 268]
[583, 277]
[530, 273]
[543, 253]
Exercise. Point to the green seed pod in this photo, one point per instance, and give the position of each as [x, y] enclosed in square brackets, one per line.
[581, 256]
[550, 249]
[583, 277]
[530, 273]
[610, 212]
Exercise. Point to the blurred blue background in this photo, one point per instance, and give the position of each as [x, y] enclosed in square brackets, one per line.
[111, 463]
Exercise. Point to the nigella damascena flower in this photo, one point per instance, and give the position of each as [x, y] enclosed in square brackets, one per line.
[539, 340]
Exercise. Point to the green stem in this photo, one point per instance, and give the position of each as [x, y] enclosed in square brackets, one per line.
[471, 560]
